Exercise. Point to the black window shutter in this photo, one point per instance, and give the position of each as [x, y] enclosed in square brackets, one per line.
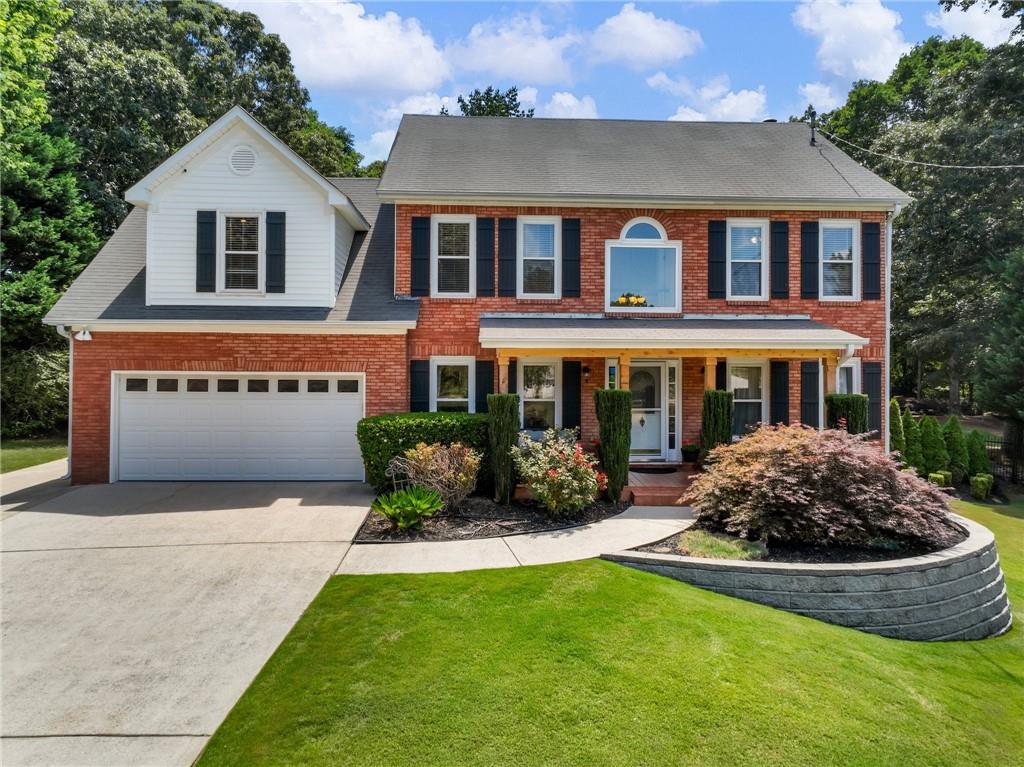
[506, 257]
[485, 256]
[871, 261]
[809, 388]
[809, 259]
[419, 386]
[570, 258]
[484, 383]
[720, 377]
[513, 376]
[420, 256]
[779, 385]
[275, 251]
[780, 259]
[716, 259]
[872, 374]
[571, 395]
[206, 251]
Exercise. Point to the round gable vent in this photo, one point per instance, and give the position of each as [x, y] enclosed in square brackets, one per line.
[242, 160]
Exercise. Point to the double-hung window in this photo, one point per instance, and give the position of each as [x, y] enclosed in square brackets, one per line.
[643, 269]
[241, 259]
[848, 377]
[748, 383]
[839, 253]
[538, 266]
[539, 385]
[453, 248]
[747, 256]
[452, 384]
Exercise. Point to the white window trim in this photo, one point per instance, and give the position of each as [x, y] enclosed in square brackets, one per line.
[470, 363]
[752, 362]
[839, 223]
[853, 363]
[521, 384]
[676, 245]
[452, 218]
[737, 222]
[261, 260]
[556, 256]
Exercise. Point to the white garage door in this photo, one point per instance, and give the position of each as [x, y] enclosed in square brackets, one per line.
[238, 427]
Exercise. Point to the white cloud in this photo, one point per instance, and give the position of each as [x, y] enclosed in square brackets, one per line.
[519, 48]
[820, 95]
[987, 27]
[528, 96]
[379, 145]
[640, 39]
[714, 100]
[388, 117]
[340, 45]
[564, 104]
[857, 39]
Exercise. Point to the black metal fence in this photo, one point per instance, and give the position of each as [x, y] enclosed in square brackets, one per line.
[1005, 465]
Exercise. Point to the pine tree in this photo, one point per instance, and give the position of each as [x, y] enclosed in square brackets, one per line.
[912, 441]
[897, 443]
[956, 447]
[933, 446]
[977, 453]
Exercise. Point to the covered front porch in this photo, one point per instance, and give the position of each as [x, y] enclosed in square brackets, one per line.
[779, 370]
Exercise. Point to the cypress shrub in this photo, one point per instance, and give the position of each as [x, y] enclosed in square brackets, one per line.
[977, 454]
[853, 408]
[615, 417]
[912, 442]
[382, 437]
[897, 443]
[981, 486]
[504, 413]
[933, 446]
[715, 420]
[956, 446]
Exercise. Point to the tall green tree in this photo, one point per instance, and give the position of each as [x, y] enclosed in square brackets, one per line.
[1001, 384]
[491, 102]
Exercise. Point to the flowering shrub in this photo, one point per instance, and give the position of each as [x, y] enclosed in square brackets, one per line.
[559, 474]
[451, 470]
[790, 485]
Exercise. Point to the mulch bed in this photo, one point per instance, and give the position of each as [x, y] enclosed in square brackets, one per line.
[808, 554]
[483, 518]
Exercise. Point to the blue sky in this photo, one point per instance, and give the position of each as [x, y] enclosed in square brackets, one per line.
[365, 64]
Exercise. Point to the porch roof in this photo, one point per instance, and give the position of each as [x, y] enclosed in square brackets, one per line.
[600, 332]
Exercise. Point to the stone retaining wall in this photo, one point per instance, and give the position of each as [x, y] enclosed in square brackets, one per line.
[957, 593]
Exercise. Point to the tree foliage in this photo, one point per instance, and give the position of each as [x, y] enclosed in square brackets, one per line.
[897, 442]
[491, 102]
[956, 447]
[912, 455]
[1001, 385]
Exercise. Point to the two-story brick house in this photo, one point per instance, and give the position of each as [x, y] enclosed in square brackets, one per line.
[248, 311]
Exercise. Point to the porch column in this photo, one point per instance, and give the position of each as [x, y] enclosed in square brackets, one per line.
[710, 369]
[503, 374]
[624, 371]
[828, 369]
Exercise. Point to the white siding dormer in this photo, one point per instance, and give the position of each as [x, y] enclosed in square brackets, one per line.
[241, 171]
[343, 236]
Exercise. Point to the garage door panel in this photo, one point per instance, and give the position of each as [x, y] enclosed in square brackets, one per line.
[238, 435]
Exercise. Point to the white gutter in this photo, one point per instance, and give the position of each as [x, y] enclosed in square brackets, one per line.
[71, 387]
[239, 326]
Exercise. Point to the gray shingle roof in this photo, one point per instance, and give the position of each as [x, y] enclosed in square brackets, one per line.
[113, 285]
[623, 159]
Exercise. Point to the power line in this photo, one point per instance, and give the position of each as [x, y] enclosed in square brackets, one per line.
[917, 162]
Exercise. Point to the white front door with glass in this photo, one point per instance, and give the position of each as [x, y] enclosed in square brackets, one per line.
[655, 400]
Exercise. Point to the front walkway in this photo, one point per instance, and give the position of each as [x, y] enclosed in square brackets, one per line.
[634, 527]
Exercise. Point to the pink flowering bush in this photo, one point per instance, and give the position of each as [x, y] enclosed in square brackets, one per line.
[558, 472]
[790, 485]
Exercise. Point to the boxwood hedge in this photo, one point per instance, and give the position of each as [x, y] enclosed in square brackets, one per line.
[382, 437]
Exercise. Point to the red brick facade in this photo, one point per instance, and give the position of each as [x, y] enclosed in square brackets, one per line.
[450, 327]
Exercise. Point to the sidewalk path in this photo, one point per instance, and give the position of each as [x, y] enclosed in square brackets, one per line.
[634, 527]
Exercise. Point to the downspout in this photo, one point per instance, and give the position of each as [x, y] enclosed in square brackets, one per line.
[887, 387]
[62, 330]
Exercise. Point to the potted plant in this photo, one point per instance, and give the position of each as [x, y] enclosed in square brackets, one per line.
[690, 452]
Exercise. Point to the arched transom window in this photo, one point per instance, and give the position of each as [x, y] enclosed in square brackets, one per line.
[643, 269]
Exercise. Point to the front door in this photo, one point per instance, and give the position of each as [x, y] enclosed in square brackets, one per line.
[647, 385]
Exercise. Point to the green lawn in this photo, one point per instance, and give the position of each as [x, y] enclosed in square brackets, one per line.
[22, 453]
[594, 664]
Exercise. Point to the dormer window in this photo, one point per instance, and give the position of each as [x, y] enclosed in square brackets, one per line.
[242, 252]
[643, 269]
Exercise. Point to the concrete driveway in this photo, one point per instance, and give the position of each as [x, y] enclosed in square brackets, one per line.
[136, 614]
